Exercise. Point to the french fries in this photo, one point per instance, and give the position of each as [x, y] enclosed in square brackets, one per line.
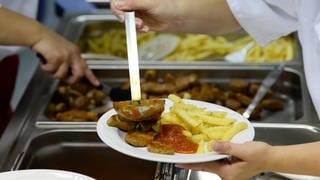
[201, 126]
[282, 49]
[193, 47]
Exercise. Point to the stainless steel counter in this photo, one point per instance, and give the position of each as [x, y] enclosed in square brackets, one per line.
[24, 139]
[22, 129]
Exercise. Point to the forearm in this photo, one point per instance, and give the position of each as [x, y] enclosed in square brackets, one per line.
[18, 29]
[298, 159]
[207, 16]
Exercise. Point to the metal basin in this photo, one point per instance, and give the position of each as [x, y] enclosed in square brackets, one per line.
[286, 134]
[81, 28]
[82, 151]
[288, 88]
[274, 134]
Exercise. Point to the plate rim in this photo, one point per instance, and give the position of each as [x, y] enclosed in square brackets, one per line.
[102, 128]
[49, 171]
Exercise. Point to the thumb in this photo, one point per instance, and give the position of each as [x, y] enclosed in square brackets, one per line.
[229, 148]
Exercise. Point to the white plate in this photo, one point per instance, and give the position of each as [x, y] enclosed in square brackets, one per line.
[114, 137]
[41, 174]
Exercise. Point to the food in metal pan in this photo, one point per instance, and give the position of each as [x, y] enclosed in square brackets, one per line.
[193, 47]
[76, 116]
[75, 102]
[237, 94]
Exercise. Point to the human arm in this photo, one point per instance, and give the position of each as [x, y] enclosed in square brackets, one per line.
[252, 158]
[61, 55]
[203, 16]
[263, 20]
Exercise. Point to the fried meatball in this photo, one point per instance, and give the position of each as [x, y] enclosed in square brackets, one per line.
[238, 85]
[253, 88]
[160, 148]
[272, 104]
[202, 92]
[115, 121]
[244, 99]
[233, 104]
[79, 102]
[138, 138]
[150, 75]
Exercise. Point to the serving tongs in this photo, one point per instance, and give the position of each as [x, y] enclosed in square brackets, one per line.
[271, 78]
[133, 61]
[135, 109]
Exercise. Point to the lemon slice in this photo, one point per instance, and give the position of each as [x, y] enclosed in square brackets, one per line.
[158, 47]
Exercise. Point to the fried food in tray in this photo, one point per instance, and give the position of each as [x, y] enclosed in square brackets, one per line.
[237, 94]
[75, 102]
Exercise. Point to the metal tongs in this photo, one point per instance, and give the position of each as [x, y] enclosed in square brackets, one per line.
[133, 60]
[164, 169]
[271, 78]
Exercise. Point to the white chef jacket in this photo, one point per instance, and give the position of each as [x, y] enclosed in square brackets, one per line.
[26, 7]
[266, 20]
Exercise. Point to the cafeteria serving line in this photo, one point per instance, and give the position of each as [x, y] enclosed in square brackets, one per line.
[56, 125]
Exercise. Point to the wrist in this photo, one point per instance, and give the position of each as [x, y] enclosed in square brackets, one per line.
[39, 32]
[271, 159]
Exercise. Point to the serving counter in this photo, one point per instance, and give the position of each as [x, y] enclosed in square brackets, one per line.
[33, 141]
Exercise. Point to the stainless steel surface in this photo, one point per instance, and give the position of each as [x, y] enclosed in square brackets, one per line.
[101, 56]
[78, 27]
[275, 134]
[62, 148]
[271, 78]
[82, 151]
[33, 141]
[164, 171]
[289, 88]
[40, 144]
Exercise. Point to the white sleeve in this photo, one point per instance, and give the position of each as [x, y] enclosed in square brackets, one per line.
[266, 20]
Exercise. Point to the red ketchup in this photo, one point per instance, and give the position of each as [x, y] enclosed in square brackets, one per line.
[172, 134]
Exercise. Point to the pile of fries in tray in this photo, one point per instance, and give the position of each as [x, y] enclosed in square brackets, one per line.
[194, 47]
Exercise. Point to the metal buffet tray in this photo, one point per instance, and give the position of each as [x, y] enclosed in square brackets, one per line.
[82, 26]
[289, 88]
[61, 149]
